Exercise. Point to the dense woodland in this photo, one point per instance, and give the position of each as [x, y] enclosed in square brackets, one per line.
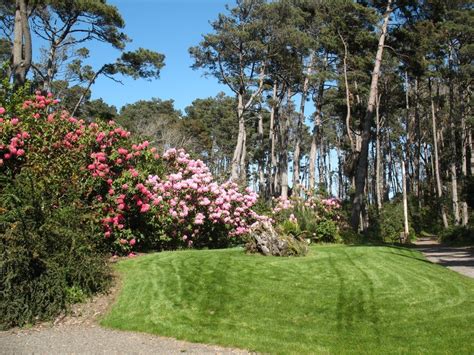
[367, 101]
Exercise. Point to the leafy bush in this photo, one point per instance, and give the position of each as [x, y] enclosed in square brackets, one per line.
[316, 218]
[327, 231]
[137, 196]
[389, 224]
[457, 235]
[50, 255]
[71, 192]
[190, 207]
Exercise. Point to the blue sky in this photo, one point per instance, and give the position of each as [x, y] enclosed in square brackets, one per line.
[169, 27]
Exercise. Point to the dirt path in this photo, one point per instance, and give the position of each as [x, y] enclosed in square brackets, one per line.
[79, 333]
[459, 259]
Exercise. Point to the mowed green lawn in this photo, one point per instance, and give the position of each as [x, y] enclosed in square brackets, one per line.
[338, 299]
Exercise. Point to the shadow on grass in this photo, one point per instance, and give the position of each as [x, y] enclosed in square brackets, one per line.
[395, 247]
[356, 301]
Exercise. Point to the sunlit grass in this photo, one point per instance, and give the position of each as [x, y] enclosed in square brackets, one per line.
[338, 299]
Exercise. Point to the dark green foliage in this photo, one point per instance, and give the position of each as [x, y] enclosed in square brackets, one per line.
[468, 191]
[49, 254]
[99, 110]
[425, 217]
[327, 231]
[156, 120]
[387, 225]
[289, 227]
[212, 122]
[348, 236]
[458, 235]
[316, 226]
[142, 63]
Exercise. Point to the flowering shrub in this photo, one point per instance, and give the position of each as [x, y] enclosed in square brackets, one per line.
[72, 191]
[139, 198]
[193, 208]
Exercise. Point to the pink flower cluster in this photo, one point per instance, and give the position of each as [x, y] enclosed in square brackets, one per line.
[137, 196]
[40, 102]
[323, 207]
[12, 138]
[196, 203]
[332, 203]
[282, 204]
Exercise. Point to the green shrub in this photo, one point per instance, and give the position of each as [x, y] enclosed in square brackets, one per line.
[316, 226]
[349, 236]
[327, 232]
[457, 235]
[389, 224]
[49, 253]
[289, 227]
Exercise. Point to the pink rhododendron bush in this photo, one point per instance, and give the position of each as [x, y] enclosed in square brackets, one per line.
[193, 209]
[137, 198]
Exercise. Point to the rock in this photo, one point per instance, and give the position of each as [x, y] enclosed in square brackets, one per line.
[264, 239]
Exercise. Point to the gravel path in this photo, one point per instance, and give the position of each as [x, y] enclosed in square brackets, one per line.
[79, 333]
[459, 259]
[86, 339]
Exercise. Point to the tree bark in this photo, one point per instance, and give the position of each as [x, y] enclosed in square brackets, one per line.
[439, 188]
[236, 158]
[348, 96]
[406, 230]
[22, 46]
[464, 143]
[261, 158]
[299, 128]
[314, 137]
[452, 167]
[284, 130]
[358, 203]
[378, 156]
[272, 170]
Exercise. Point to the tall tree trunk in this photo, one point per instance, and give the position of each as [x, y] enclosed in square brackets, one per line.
[464, 142]
[239, 167]
[406, 230]
[358, 204]
[417, 155]
[272, 169]
[299, 128]
[408, 141]
[378, 157]
[340, 178]
[471, 150]
[321, 177]
[452, 167]
[22, 46]
[243, 156]
[454, 191]
[284, 130]
[236, 158]
[314, 136]
[50, 71]
[348, 95]
[261, 158]
[312, 159]
[439, 188]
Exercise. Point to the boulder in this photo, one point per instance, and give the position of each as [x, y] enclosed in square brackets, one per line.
[264, 239]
